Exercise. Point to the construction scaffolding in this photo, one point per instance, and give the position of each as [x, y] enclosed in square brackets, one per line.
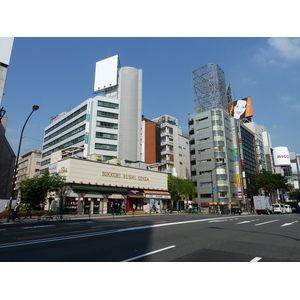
[209, 88]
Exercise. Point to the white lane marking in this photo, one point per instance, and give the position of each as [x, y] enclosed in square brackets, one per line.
[244, 222]
[147, 254]
[217, 221]
[83, 235]
[288, 224]
[37, 226]
[266, 222]
[256, 259]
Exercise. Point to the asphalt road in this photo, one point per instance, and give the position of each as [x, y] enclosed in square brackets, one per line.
[163, 238]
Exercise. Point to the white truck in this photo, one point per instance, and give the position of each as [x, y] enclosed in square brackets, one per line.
[262, 205]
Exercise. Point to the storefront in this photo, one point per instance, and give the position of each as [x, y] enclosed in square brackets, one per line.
[135, 200]
[115, 202]
[160, 199]
[85, 199]
[97, 187]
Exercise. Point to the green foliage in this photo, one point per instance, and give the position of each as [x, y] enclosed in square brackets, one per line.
[35, 190]
[271, 182]
[181, 188]
[295, 195]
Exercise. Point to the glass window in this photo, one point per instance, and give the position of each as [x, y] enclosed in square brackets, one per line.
[106, 147]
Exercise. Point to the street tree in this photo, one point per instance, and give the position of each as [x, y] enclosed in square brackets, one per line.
[36, 190]
[271, 182]
[181, 189]
[295, 195]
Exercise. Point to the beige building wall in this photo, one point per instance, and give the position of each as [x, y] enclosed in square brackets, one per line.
[28, 165]
[103, 174]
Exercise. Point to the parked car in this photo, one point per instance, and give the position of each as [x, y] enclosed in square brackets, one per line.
[236, 210]
[295, 210]
[288, 209]
[278, 208]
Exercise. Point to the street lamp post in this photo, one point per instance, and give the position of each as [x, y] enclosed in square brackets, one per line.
[34, 108]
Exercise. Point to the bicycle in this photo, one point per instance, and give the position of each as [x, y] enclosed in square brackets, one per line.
[123, 211]
[47, 217]
[165, 211]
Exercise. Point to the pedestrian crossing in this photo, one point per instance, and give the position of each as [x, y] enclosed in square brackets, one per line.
[256, 221]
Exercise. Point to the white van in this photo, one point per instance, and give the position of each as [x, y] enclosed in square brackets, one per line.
[288, 209]
[278, 208]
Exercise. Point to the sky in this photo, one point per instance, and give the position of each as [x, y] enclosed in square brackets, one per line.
[57, 73]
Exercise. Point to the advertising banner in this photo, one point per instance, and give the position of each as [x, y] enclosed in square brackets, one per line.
[241, 109]
[281, 156]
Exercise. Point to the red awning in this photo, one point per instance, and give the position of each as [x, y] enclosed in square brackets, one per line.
[136, 196]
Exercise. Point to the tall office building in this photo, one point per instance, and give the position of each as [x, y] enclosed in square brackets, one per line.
[107, 125]
[211, 144]
[259, 145]
[268, 149]
[211, 140]
[251, 161]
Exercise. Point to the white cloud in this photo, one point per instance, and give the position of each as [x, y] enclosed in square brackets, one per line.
[287, 48]
[280, 50]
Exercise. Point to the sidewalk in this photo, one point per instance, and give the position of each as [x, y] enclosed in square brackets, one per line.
[40, 220]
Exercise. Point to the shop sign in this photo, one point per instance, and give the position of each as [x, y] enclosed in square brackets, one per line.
[125, 176]
[116, 196]
[158, 196]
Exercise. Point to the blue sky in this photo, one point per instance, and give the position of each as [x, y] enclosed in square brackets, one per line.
[58, 73]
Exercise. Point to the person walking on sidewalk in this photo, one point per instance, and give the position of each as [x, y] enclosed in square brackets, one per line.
[28, 211]
[16, 211]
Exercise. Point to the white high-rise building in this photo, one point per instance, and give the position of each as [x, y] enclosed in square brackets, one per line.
[107, 125]
[175, 152]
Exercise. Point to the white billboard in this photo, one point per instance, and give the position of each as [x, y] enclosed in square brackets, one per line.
[281, 156]
[6, 44]
[106, 73]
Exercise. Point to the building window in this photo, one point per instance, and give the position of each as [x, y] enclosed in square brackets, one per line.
[107, 114]
[105, 135]
[107, 125]
[69, 117]
[67, 144]
[201, 130]
[205, 195]
[70, 125]
[204, 139]
[106, 147]
[203, 161]
[108, 104]
[199, 120]
[64, 137]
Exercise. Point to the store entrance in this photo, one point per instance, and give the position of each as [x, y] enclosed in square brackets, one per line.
[134, 204]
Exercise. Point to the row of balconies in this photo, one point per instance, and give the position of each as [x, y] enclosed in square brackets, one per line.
[166, 161]
[167, 152]
[164, 143]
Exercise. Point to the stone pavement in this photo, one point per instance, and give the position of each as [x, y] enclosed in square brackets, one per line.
[46, 219]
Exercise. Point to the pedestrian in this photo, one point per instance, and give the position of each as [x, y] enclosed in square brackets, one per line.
[190, 208]
[16, 211]
[28, 211]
